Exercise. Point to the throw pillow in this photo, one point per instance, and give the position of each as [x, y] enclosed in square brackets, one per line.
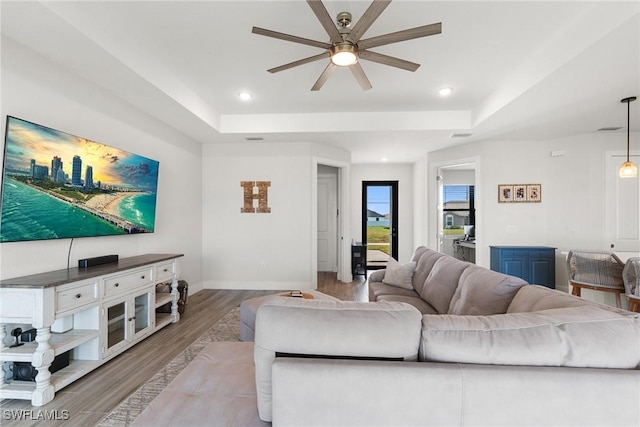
[399, 275]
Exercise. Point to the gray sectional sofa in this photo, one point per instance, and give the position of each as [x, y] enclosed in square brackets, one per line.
[447, 343]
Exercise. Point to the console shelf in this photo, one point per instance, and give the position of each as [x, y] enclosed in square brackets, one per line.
[163, 298]
[162, 320]
[109, 307]
[59, 342]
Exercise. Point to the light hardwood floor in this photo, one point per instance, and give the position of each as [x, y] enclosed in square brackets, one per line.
[89, 399]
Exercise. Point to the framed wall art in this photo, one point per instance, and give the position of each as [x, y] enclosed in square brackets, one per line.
[505, 193]
[534, 193]
[519, 193]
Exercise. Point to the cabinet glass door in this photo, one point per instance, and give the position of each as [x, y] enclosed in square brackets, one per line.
[116, 324]
[142, 318]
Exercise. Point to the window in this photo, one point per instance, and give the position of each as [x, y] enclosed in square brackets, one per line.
[459, 206]
[448, 221]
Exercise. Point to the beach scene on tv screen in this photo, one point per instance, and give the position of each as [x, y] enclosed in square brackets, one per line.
[56, 185]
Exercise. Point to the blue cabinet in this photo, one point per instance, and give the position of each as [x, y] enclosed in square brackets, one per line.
[535, 264]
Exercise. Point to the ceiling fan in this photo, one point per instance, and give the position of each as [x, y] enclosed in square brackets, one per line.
[345, 47]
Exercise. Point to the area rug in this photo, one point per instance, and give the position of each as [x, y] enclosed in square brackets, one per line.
[225, 329]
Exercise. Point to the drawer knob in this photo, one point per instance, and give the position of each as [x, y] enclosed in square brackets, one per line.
[78, 296]
[166, 269]
[142, 277]
[116, 284]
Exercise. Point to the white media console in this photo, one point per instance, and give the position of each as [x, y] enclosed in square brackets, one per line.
[99, 312]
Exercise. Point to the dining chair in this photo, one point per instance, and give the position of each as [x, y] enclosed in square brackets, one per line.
[631, 278]
[595, 270]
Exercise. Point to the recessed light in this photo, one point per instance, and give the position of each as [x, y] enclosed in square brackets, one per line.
[245, 96]
[384, 159]
[445, 91]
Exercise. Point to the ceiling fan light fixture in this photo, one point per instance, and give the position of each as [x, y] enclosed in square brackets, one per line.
[628, 169]
[344, 54]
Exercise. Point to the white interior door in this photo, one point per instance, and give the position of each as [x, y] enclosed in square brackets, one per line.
[622, 207]
[327, 223]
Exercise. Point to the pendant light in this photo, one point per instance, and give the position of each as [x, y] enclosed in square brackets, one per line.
[628, 169]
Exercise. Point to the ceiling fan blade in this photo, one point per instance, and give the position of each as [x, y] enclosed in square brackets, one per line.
[300, 62]
[400, 36]
[324, 76]
[326, 20]
[290, 38]
[388, 60]
[370, 15]
[361, 77]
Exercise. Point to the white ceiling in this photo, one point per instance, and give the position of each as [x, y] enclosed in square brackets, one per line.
[519, 69]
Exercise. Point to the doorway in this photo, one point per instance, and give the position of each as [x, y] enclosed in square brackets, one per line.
[380, 222]
[457, 211]
[622, 207]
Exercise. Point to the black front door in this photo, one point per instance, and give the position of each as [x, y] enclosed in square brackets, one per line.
[380, 222]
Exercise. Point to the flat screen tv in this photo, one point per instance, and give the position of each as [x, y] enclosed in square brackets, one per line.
[57, 186]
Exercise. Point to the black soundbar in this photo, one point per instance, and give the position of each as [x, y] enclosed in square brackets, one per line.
[99, 260]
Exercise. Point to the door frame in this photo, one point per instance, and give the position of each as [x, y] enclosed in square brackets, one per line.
[434, 205]
[614, 237]
[394, 215]
[344, 244]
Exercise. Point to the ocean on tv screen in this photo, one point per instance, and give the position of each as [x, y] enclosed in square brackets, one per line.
[56, 185]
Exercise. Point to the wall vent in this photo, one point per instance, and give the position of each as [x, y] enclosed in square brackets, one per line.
[460, 135]
[254, 138]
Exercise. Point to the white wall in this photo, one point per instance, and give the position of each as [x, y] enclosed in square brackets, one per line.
[421, 197]
[260, 250]
[458, 177]
[572, 211]
[39, 91]
[401, 172]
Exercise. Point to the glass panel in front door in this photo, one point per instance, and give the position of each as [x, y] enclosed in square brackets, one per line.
[379, 242]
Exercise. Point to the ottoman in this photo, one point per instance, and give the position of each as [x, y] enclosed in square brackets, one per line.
[248, 309]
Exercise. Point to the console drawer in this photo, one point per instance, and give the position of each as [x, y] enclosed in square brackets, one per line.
[114, 285]
[76, 296]
[164, 271]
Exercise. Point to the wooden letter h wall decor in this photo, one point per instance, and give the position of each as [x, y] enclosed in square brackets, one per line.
[262, 196]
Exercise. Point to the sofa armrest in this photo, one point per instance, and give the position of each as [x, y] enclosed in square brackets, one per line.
[377, 275]
[331, 328]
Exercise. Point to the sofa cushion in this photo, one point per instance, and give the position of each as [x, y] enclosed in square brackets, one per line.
[377, 289]
[536, 297]
[572, 337]
[482, 292]
[330, 328]
[424, 266]
[399, 275]
[415, 300]
[442, 283]
[418, 253]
